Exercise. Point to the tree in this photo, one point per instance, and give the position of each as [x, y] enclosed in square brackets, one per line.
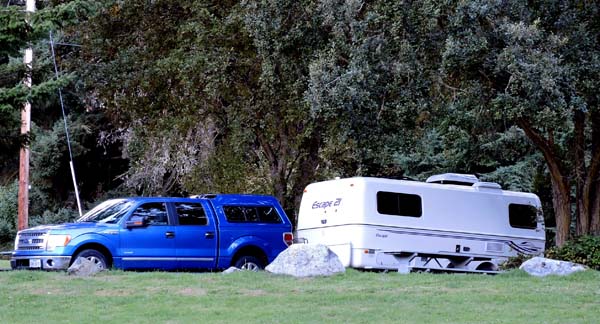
[271, 95]
[221, 81]
[14, 33]
[370, 85]
[472, 72]
[552, 103]
[527, 59]
[51, 185]
[285, 35]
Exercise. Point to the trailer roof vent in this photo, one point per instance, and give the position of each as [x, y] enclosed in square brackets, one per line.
[453, 178]
[487, 185]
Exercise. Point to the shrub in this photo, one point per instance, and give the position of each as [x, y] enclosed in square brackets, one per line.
[514, 262]
[63, 215]
[8, 212]
[583, 250]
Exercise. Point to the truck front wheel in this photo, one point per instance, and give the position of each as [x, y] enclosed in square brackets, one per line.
[98, 258]
[249, 263]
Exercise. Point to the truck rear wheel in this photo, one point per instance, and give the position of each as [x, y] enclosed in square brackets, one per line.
[98, 258]
[249, 263]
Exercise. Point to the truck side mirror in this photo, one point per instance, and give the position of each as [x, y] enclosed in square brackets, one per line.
[137, 221]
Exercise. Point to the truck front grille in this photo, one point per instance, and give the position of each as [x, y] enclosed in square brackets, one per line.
[30, 234]
[31, 241]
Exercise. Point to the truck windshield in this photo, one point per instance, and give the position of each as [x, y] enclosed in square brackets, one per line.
[110, 212]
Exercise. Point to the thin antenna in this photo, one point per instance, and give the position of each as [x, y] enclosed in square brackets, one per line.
[62, 106]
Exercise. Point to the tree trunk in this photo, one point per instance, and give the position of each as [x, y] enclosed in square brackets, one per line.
[561, 198]
[582, 209]
[276, 157]
[562, 210]
[594, 178]
[307, 168]
[595, 210]
[278, 168]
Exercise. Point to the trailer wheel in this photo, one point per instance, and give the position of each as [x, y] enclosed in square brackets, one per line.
[249, 263]
[98, 258]
[487, 266]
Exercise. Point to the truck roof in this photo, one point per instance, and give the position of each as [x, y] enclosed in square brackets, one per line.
[219, 198]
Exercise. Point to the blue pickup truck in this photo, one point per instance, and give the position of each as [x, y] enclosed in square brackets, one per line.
[207, 232]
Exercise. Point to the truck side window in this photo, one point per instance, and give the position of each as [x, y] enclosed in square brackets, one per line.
[234, 214]
[191, 214]
[154, 213]
[522, 216]
[399, 204]
[268, 215]
[252, 214]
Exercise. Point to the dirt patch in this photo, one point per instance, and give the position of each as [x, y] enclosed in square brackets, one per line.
[112, 293]
[192, 292]
[50, 292]
[253, 292]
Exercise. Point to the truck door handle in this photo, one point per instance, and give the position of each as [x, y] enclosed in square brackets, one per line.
[170, 234]
[209, 235]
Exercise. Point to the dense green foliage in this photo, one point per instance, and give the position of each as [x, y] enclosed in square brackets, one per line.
[41, 211]
[583, 250]
[270, 95]
[8, 210]
[215, 98]
[51, 193]
[13, 37]
[353, 297]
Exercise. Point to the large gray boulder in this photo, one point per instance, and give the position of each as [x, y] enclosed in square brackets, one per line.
[306, 260]
[84, 267]
[541, 267]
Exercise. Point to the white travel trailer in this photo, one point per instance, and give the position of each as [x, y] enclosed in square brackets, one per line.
[451, 222]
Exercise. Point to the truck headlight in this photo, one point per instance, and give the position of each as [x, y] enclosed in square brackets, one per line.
[57, 241]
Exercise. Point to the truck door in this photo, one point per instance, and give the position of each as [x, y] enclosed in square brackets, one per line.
[151, 246]
[196, 241]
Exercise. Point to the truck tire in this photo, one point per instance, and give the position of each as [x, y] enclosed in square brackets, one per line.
[249, 263]
[93, 255]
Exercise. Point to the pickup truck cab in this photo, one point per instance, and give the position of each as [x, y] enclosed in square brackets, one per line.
[207, 232]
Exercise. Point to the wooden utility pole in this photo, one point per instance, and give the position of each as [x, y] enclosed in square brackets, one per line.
[23, 200]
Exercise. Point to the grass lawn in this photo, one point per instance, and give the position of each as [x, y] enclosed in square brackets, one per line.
[359, 297]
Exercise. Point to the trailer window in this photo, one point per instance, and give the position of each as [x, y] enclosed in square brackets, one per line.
[400, 204]
[251, 214]
[522, 216]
